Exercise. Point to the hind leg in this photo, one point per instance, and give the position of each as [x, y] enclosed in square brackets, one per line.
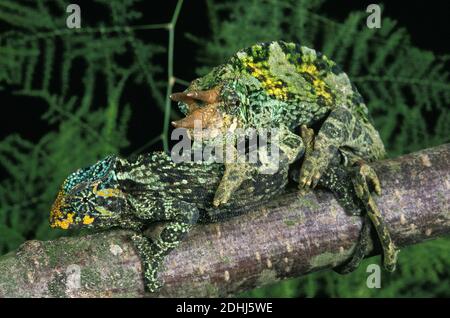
[364, 176]
[338, 179]
[349, 184]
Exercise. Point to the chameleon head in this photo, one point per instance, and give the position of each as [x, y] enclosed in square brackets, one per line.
[246, 91]
[89, 197]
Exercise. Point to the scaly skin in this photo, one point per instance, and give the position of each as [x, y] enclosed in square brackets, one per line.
[286, 86]
[135, 194]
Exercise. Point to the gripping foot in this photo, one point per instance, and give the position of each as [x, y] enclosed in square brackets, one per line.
[151, 262]
[364, 176]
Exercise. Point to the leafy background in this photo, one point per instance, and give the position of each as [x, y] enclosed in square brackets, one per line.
[69, 97]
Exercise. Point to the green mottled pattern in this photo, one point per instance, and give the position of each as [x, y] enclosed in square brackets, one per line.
[155, 177]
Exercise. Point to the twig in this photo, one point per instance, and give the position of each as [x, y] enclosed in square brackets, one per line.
[291, 236]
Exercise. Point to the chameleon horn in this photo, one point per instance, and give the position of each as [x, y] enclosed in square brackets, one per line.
[189, 121]
[183, 97]
[209, 96]
[180, 97]
[202, 115]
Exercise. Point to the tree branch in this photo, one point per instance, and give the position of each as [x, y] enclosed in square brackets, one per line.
[291, 236]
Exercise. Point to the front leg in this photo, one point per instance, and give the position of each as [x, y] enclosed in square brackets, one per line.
[180, 218]
[235, 173]
[289, 147]
[334, 132]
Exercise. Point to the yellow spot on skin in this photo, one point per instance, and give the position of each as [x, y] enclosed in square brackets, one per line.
[106, 193]
[56, 214]
[227, 276]
[271, 84]
[65, 223]
[258, 256]
[87, 219]
[318, 83]
[269, 263]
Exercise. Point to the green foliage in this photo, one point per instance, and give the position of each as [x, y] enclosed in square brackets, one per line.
[91, 120]
[401, 85]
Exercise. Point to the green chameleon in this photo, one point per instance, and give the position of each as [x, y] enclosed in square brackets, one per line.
[135, 194]
[288, 86]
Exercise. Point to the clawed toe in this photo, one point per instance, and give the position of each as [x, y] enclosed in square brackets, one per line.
[221, 197]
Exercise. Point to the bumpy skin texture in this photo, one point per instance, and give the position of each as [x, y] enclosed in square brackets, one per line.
[286, 86]
[134, 194]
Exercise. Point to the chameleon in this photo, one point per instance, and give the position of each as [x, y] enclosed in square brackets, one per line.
[290, 87]
[137, 193]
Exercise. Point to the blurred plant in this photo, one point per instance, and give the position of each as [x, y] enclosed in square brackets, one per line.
[40, 58]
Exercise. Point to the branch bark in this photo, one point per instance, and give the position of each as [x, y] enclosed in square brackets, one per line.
[291, 236]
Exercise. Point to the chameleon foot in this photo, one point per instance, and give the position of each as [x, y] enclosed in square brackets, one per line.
[311, 171]
[363, 176]
[150, 261]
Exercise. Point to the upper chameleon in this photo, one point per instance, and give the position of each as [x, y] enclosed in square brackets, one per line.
[286, 86]
[283, 85]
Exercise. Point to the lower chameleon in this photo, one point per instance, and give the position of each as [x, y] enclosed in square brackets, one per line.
[134, 194]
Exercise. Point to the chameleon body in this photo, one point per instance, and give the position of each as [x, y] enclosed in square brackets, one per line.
[288, 86]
